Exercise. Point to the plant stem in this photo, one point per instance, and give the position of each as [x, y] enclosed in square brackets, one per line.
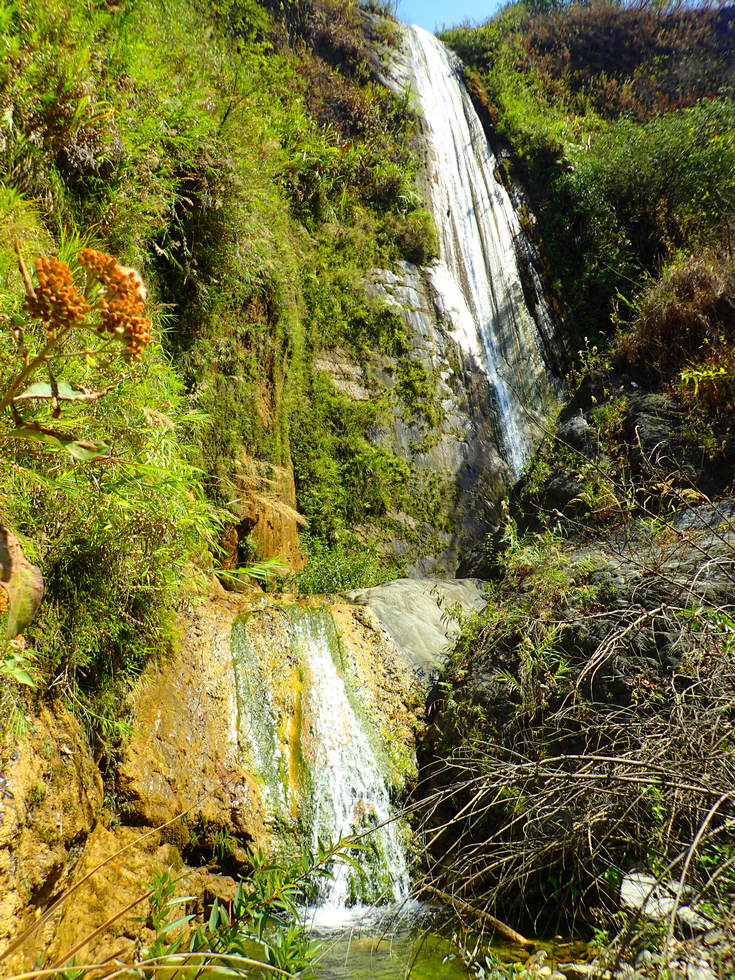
[32, 366]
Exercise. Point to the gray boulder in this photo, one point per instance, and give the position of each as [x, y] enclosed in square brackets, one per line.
[579, 434]
[643, 893]
[422, 616]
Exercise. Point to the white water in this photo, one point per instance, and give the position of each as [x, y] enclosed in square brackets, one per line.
[477, 280]
[349, 783]
[323, 768]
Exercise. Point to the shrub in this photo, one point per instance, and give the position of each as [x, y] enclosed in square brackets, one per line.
[416, 237]
[341, 566]
[659, 185]
[683, 318]
[577, 704]
[95, 476]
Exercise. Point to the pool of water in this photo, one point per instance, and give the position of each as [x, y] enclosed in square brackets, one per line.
[405, 943]
[366, 944]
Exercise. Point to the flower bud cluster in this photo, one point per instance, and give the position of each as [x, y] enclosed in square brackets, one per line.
[55, 300]
[122, 303]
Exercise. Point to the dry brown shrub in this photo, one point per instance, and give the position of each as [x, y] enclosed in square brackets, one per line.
[651, 60]
[558, 770]
[686, 315]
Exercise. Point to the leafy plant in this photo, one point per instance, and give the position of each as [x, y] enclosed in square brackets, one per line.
[341, 566]
[16, 663]
[258, 929]
[260, 571]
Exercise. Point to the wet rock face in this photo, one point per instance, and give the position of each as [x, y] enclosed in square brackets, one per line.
[459, 458]
[327, 712]
[184, 754]
[192, 749]
[266, 708]
[303, 679]
[51, 800]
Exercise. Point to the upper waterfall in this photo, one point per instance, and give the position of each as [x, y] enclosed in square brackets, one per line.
[478, 280]
[476, 321]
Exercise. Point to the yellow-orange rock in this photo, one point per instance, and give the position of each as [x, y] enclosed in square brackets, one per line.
[51, 801]
[183, 756]
[266, 505]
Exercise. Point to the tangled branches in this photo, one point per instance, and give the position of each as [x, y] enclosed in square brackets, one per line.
[592, 733]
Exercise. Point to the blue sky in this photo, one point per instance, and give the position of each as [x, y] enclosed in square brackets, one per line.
[433, 14]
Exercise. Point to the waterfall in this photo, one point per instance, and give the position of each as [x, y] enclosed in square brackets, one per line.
[307, 726]
[309, 736]
[477, 280]
[349, 788]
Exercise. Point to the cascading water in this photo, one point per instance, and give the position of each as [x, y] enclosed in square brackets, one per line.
[477, 281]
[324, 770]
[349, 785]
[304, 729]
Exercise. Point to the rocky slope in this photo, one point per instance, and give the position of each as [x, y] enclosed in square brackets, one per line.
[192, 791]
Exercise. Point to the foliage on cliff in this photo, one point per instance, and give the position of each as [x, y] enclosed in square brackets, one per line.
[241, 158]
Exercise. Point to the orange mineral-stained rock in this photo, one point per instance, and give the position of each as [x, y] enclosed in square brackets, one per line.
[266, 505]
[184, 753]
[51, 800]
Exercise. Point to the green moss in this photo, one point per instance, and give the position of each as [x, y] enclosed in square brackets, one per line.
[257, 718]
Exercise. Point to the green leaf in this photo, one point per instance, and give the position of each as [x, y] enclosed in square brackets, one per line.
[175, 924]
[17, 673]
[87, 451]
[62, 390]
[81, 450]
[179, 901]
[213, 915]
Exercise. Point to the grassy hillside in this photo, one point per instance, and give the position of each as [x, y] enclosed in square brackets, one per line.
[621, 122]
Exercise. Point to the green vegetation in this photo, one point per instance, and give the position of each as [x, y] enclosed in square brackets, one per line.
[338, 567]
[261, 924]
[242, 160]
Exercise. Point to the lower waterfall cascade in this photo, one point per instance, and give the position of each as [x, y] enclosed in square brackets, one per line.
[303, 722]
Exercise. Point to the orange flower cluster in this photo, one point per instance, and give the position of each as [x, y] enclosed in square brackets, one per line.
[55, 300]
[122, 303]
